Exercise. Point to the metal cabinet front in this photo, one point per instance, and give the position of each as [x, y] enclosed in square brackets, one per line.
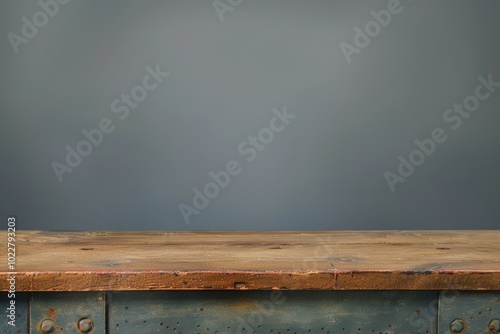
[469, 312]
[255, 312]
[272, 312]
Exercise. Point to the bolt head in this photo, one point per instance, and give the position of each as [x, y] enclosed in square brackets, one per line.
[85, 325]
[48, 326]
[494, 326]
[457, 326]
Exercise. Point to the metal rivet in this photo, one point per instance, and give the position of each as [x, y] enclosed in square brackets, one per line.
[457, 326]
[85, 325]
[47, 326]
[494, 326]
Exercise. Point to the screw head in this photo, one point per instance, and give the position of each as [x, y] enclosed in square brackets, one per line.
[85, 325]
[47, 326]
[494, 326]
[457, 326]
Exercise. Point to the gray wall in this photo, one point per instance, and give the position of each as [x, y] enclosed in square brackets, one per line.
[325, 169]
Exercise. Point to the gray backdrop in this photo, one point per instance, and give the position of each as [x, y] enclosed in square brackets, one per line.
[358, 106]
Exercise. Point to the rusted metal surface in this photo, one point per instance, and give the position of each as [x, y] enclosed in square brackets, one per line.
[469, 312]
[494, 326]
[20, 311]
[259, 312]
[69, 312]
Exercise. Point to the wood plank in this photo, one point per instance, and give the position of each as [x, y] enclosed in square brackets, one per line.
[325, 260]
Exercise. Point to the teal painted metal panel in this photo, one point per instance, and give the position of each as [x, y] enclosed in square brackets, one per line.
[257, 312]
[20, 311]
[273, 312]
[65, 309]
[472, 311]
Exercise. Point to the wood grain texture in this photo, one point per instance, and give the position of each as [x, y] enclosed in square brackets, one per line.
[325, 260]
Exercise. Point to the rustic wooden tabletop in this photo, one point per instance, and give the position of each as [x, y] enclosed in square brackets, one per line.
[220, 260]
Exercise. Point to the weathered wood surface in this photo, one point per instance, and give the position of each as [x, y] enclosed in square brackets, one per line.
[326, 260]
